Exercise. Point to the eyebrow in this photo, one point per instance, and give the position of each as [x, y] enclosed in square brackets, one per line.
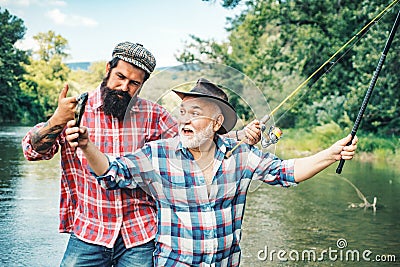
[130, 81]
[192, 107]
[120, 74]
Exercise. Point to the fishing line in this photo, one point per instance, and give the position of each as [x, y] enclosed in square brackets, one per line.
[372, 85]
[333, 63]
[356, 37]
[329, 69]
[366, 204]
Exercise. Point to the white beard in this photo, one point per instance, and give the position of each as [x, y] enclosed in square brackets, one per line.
[198, 138]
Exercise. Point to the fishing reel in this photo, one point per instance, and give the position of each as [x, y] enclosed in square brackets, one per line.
[274, 134]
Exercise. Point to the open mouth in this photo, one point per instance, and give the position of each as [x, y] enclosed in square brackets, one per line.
[187, 131]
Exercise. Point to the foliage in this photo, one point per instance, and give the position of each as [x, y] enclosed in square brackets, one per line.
[371, 143]
[328, 133]
[302, 142]
[33, 111]
[30, 81]
[305, 141]
[328, 109]
[227, 3]
[46, 71]
[50, 45]
[273, 41]
[12, 29]
[83, 81]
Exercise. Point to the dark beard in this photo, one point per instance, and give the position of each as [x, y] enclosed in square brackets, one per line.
[115, 102]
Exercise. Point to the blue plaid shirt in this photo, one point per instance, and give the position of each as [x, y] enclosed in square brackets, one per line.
[196, 226]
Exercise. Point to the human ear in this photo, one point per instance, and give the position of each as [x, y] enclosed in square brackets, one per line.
[218, 122]
[108, 68]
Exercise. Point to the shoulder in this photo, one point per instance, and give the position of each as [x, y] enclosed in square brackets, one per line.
[150, 107]
[94, 99]
[157, 114]
[150, 104]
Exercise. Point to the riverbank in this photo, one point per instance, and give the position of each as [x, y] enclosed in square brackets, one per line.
[300, 143]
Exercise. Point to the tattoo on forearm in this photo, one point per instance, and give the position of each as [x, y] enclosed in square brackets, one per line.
[42, 139]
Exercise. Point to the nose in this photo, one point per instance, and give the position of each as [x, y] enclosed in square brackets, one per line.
[125, 85]
[184, 118]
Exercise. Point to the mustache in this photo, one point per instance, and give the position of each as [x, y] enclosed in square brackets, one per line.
[186, 127]
[110, 93]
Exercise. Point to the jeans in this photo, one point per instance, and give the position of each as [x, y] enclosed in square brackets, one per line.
[82, 254]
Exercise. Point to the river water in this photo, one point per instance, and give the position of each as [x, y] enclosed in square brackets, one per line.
[308, 225]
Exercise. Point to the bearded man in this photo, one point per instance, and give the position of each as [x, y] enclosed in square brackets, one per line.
[108, 228]
[201, 194]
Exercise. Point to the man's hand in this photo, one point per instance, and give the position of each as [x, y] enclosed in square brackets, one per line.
[340, 150]
[43, 139]
[65, 110]
[307, 167]
[251, 133]
[76, 136]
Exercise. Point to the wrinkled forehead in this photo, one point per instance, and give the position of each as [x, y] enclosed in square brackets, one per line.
[203, 103]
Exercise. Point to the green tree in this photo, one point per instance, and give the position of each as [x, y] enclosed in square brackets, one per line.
[226, 3]
[50, 45]
[12, 29]
[46, 71]
[82, 81]
[275, 42]
[382, 114]
[314, 31]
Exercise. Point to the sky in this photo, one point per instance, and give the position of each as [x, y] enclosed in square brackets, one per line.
[93, 27]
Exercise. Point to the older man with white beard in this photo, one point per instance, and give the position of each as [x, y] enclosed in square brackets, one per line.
[201, 194]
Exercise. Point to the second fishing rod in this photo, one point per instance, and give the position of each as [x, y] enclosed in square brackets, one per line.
[275, 133]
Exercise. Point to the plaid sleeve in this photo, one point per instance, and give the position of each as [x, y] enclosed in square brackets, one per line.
[271, 169]
[31, 154]
[127, 171]
[117, 175]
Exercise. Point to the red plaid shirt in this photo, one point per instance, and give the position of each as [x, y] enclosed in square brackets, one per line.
[92, 213]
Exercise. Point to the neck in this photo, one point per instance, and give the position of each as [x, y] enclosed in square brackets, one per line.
[204, 150]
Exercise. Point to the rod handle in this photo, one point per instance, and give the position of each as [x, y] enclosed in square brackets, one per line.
[342, 161]
[265, 119]
[340, 166]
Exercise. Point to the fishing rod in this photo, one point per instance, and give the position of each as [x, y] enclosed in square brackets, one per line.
[275, 137]
[371, 86]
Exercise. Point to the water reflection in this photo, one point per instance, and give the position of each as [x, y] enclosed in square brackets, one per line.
[29, 194]
[312, 216]
[315, 215]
